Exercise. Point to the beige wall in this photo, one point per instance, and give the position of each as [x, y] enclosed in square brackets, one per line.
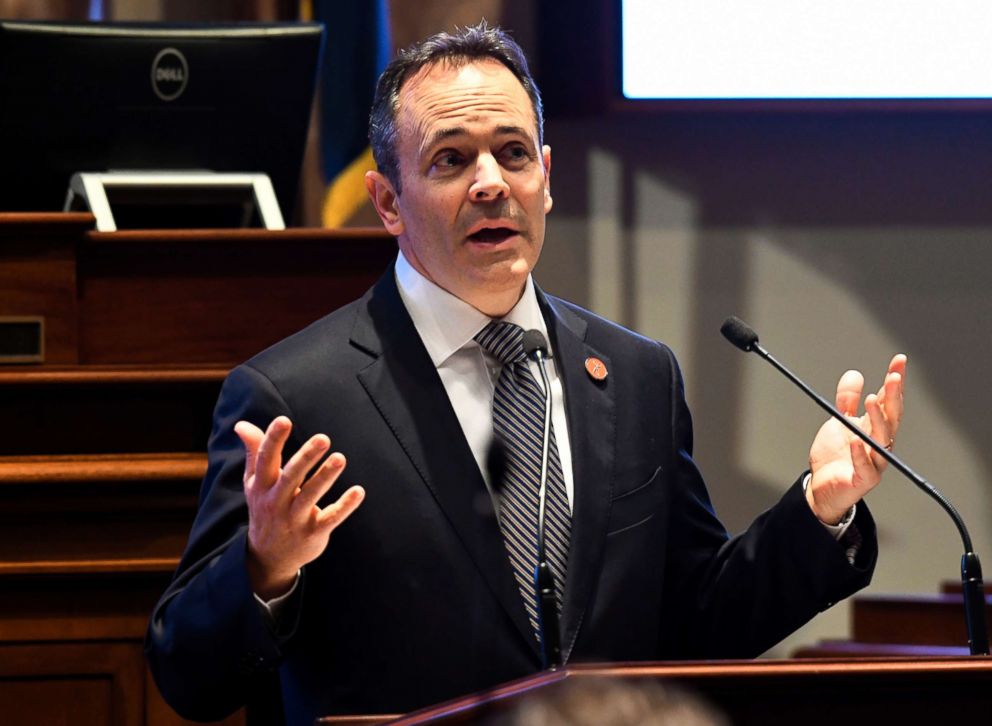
[835, 266]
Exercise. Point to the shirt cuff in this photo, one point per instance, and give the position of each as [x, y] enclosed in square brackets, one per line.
[274, 607]
[836, 530]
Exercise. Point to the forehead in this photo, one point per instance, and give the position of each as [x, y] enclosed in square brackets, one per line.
[448, 95]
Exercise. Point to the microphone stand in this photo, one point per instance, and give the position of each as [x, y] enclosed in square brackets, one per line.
[544, 581]
[738, 333]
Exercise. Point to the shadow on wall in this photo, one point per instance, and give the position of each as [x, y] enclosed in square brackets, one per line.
[914, 189]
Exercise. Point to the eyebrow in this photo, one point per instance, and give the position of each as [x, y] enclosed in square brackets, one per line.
[443, 134]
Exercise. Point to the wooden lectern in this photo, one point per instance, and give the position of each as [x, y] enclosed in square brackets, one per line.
[880, 691]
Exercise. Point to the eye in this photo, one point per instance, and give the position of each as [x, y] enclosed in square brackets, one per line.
[516, 155]
[447, 160]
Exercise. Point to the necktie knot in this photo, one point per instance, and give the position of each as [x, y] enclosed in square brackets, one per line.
[503, 340]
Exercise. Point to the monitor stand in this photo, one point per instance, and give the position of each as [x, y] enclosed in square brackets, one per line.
[174, 200]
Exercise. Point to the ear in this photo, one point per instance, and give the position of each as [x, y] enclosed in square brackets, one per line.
[546, 151]
[384, 200]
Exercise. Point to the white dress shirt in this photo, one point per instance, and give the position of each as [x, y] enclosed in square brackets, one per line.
[448, 325]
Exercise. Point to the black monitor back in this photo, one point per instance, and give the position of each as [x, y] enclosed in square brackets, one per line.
[104, 96]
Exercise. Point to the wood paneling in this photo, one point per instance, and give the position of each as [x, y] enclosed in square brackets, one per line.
[38, 275]
[72, 683]
[102, 448]
[215, 296]
[86, 410]
[179, 297]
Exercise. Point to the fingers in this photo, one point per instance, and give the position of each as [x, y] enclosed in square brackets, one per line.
[334, 514]
[884, 409]
[318, 485]
[289, 483]
[321, 481]
[300, 463]
[881, 430]
[866, 474]
[891, 390]
[251, 436]
[898, 364]
[890, 403]
[306, 498]
[849, 389]
[268, 463]
[891, 393]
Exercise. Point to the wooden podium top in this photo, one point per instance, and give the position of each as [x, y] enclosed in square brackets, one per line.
[808, 692]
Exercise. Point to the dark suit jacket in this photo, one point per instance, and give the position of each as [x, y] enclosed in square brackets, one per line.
[414, 601]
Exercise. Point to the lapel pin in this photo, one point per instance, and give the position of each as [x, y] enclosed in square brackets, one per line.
[596, 369]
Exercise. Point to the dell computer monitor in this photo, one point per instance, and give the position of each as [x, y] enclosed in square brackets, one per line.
[95, 97]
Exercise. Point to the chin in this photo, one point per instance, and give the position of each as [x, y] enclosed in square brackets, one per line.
[507, 275]
[521, 267]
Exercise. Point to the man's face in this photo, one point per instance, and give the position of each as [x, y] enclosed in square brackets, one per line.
[475, 183]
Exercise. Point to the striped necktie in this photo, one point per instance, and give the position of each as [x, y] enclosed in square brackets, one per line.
[518, 423]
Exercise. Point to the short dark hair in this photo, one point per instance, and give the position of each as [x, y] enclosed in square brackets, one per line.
[478, 42]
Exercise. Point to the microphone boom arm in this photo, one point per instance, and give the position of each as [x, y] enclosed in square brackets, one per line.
[742, 336]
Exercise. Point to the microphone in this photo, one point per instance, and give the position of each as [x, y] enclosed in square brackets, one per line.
[739, 333]
[744, 337]
[536, 347]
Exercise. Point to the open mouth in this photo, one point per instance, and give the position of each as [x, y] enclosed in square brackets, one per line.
[492, 235]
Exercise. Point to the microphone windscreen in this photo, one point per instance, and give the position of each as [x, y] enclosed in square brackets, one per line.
[533, 340]
[739, 333]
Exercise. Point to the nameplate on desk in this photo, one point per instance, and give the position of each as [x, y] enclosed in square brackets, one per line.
[22, 339]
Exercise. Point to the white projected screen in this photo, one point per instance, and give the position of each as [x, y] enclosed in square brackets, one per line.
[807, 49]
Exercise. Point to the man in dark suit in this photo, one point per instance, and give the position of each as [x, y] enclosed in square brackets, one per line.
[419, 596]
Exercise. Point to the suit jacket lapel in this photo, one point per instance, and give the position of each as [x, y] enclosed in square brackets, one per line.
[591, 415]
[405, 387]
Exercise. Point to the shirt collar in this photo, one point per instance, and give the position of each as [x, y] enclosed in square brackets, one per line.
[446, 323]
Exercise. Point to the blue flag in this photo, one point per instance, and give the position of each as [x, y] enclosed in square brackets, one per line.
[357, 49]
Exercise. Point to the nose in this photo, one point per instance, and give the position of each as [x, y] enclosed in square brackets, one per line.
[489, 184]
